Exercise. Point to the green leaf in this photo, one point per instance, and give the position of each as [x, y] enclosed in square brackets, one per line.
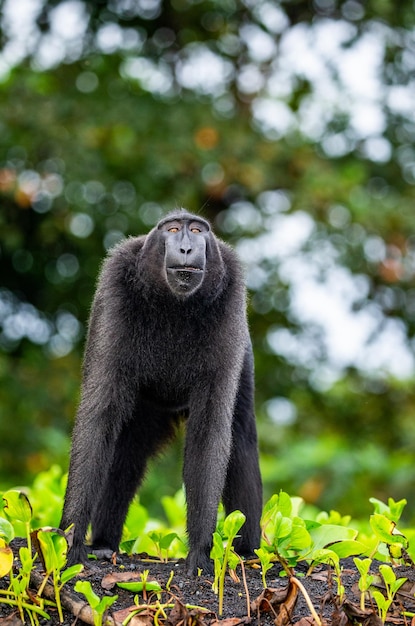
[393, 510]
[381, 601]
[327, 534]
[218, 549]
[285, 506]
[233, 523]
[17, 506]
[326, 556]
[233, 560]
[6, 558]
[300, 538]
[139, 585]
[363, 565]
[282, 529]
[387, 574]
[26, 559]
[386, 531]
[263, 555]
[348, 548]
[128, 545]
[278, 504]
[396, 508]
[84, 586]
[6, 530]
[71, 572]
[54, 548]
[397, 585]
[270, 506]
[166, 540]
[379, 506]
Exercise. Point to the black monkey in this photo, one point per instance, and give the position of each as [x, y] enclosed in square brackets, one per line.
[168, 337]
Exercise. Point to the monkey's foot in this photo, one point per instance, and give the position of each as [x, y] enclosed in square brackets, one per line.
[103, 554]
[77, 554]
[199, 561]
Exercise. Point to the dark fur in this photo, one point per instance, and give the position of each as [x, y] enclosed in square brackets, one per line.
[154, 354]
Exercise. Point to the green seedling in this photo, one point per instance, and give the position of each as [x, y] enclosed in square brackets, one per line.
[17, 594]
[324, 555]
[98, 605]
[16, 599]
[291, 539]
[383, 523]
[162, 542]
[365, 580]
[285, 535]
[217, 554]
[266, 564]
[18, 509]
[393, 510]
[53, 548]
[386, 533]
[220, 553]
[392, 586]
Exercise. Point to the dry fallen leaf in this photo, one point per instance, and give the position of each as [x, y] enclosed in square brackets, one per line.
[287, 607]
[180, 614]
[280, 602]
[110, 580]
[268, 599]
[368, 617]
[144, 618]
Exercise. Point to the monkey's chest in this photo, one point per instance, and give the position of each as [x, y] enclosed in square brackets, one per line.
[167, 373]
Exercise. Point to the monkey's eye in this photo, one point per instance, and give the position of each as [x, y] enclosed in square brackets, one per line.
[173, 229]
[196, 230]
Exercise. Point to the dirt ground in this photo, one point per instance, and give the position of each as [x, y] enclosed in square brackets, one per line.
[191, 601]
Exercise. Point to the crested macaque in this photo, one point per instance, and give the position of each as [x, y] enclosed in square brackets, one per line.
[168, 340]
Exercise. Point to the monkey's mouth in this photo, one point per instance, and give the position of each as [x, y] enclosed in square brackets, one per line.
[185, 268]
[184, 278]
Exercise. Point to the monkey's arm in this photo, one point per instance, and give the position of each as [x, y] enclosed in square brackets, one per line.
[107, 402]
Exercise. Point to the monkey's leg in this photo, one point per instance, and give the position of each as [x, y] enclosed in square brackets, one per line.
[207, 451]
[243, 486]
[139, 439]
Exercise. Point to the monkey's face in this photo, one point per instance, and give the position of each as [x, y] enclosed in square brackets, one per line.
[185, 240]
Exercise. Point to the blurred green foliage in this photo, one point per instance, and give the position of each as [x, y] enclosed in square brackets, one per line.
[102, 135]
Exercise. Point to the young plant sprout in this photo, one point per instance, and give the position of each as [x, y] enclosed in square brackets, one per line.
[98, 605]
[221, 552]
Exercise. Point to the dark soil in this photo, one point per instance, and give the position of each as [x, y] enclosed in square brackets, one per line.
[286, 605]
